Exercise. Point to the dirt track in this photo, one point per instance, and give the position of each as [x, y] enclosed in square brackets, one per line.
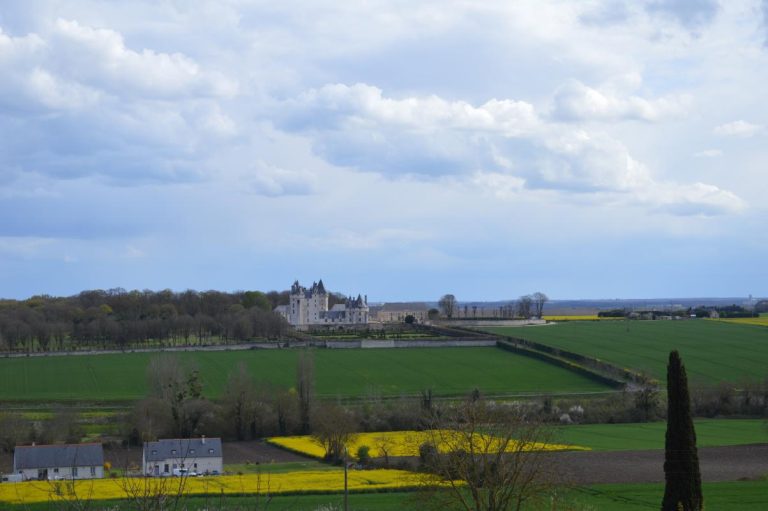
[717, 464]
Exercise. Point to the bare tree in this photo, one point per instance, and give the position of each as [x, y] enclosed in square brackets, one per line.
[305, 387]
[539, 299]
[239, 401]
[153, 493]
[286, 411]
[333, 427]
[485, 457]
[447, 304]
[524, 304]
[178, 389]
[14, 430]
[62, 427]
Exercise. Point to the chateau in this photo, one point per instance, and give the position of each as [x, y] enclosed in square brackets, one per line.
[309, 307]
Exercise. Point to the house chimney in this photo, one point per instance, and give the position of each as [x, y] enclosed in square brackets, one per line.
[202, 439]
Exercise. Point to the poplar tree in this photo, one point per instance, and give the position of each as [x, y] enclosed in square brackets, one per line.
[682, 491]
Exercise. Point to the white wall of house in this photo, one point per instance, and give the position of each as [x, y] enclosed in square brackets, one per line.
[55, 473]
[199, 465]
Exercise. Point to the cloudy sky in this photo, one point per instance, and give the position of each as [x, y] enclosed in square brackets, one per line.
[591, 149]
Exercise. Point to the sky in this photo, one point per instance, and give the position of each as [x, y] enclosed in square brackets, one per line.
[403, 150]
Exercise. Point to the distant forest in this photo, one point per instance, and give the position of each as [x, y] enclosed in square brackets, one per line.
[119, 319]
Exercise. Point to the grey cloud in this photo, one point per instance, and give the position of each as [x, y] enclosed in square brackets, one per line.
[608, 13]
[689, 13]
[764, 9]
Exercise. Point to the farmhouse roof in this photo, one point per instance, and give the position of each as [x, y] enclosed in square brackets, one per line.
[180, 448]
[50, 456]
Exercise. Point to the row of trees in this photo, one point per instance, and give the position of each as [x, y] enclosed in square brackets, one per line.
[526, 307]
[118, 318]
[176, 406]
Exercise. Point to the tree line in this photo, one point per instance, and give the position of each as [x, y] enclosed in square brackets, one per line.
[525, 307]
[117, 318]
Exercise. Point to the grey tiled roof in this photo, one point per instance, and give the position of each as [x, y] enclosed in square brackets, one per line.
[48, 456]
[164, 449]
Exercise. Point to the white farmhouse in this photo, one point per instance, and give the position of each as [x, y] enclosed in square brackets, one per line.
[179, 456]
[53, 462]
[309, 307]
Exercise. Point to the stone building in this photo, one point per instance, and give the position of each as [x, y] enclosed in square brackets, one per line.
[309, 307]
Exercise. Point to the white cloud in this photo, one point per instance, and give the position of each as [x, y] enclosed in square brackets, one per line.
[23, 246]
[503, 144]
[131, 252]
[738, 128]
[373, 239]
[696, 199]
[100, 56]
[708, 153]
[576, 101]
[58, 94]
[365, 104]
[273, 181]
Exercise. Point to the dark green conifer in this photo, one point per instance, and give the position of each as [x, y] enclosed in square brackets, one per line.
[681, 461]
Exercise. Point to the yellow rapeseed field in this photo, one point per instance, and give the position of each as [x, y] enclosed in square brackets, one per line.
[761, 321]
[593, 317]
[320, 481]
[394, 443]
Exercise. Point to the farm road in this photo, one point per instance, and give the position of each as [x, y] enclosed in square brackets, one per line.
[717, 464]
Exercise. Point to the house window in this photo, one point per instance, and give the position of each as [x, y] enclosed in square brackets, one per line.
[154, 452]
[191, 451]
[93, 471]
[74, 471]
[210, 451]
[55, 470]
[173, 451]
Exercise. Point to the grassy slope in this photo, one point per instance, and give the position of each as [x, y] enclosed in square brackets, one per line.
[624, 437]
[339, 372]
[724, 496]
[712, 351]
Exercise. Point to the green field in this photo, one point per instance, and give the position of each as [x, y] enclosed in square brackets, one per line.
[712, 351]
[344, 373]
[650, 435]
[722, 496]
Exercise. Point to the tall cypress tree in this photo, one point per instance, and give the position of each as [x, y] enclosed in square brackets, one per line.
[681, 460]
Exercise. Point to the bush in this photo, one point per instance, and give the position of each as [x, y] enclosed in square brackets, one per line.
[427, 454]
[364, 455]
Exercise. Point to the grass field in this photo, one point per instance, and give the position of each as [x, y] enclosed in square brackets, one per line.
[712, 351]
[345, 373]
[722, 496]
[627, 437]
